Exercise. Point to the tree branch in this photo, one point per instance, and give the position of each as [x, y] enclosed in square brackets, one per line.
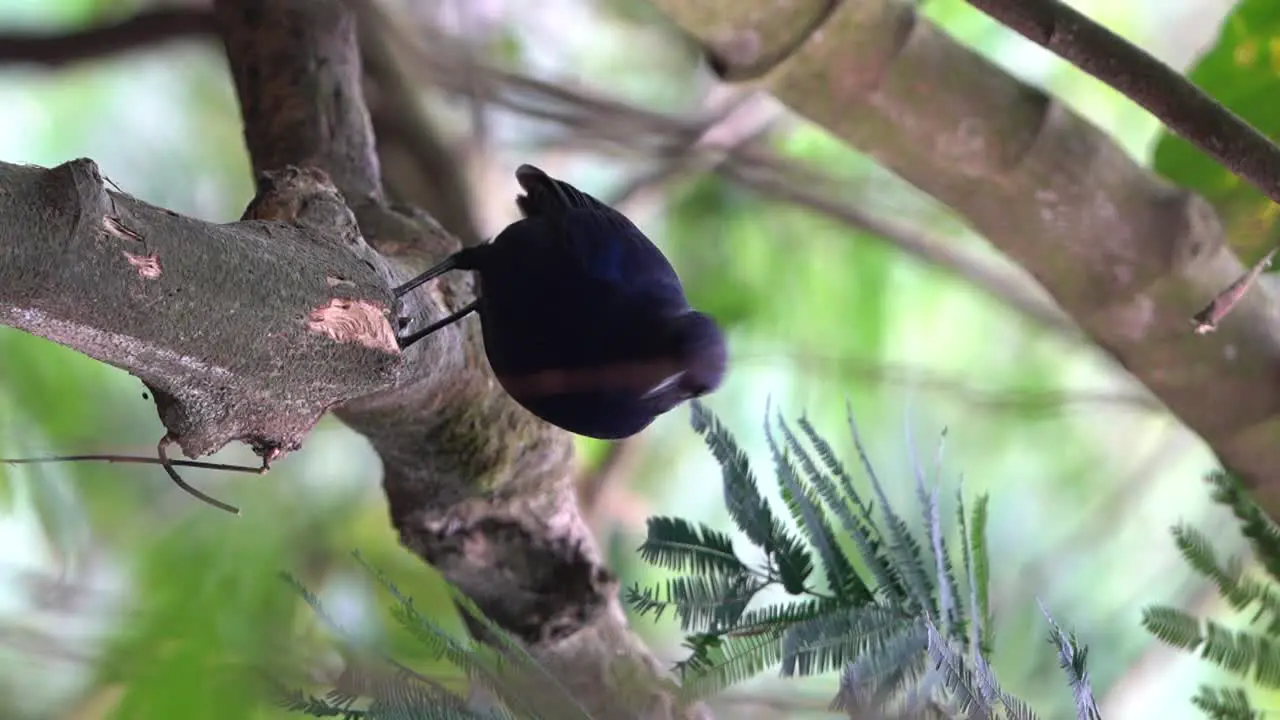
[1128, 257]
[417, 166]
[1184, 108]
[249, 331]
[144, 29]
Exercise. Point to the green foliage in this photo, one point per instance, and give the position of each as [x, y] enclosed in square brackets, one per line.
[908, 632]
[1241, 73]
[1252, 652]
[517, 685]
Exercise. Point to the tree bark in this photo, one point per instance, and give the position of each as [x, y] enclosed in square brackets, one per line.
[1130, 257]
[252, 330]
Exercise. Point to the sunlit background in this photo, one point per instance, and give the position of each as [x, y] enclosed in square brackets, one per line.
[122, 597]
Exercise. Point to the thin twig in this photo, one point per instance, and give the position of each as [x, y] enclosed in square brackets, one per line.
[133, 459]
[1206, 321]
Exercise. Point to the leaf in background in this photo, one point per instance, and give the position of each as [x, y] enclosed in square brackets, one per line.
[210, 613]
[1242, 72]
[753, 263]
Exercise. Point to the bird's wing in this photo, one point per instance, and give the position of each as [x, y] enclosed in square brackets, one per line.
[609, 246]
[551, 199]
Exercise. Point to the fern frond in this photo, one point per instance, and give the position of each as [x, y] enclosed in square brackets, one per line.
[783, 615]
[705, 604]
[981, 580]
[841, 575]
[742, 496]
[944, 579]
[1241, 651]
[1071, 658]
[899, 665]
[810, 517]
[836, 468]
[864, 535]
[831, 641]
[1261, 531]
[295, 700]
[972, 698]
[903, 548]
[679, 545]
[976, 621]
[1225, 704]
[502, 665]
[733, 659]
[1198, 551]
[949, 607]
[1173, 627]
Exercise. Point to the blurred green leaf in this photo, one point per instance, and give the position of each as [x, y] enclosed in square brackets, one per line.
[1242, 72]
[209, 614]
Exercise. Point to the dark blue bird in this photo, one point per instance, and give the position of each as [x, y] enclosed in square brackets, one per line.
[585, 323]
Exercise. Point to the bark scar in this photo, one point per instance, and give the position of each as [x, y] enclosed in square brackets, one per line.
[148, 266]
[116, 228]
[358, 321]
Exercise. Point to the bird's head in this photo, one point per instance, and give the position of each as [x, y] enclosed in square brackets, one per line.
[698, 344]
[695, 346]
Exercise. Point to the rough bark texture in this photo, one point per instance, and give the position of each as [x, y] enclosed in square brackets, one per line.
[252, 330]
[1127, 255]
[211, 317]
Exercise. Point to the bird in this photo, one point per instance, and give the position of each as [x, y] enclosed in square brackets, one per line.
[584, 321]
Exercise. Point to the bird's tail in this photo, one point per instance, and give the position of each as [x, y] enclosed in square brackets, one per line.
[545, 195]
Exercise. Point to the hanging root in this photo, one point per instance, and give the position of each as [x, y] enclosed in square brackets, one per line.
[162, 459]
[162, 451]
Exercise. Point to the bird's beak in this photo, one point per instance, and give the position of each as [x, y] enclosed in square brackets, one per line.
[663, 386]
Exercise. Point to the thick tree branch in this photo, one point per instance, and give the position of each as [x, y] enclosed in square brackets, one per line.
[476, 486]
[1180, 105]
[1127, 256]
[249, 331]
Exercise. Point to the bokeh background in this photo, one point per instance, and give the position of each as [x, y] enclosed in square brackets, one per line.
[122, 597]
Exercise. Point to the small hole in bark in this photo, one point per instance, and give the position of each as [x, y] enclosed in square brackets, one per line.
[717, 65]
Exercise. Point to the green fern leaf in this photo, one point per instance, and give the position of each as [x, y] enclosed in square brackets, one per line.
[679, 545]
[903, 548]
[1261, 531]
[981, 581]
[860, 529]
[741, 490]
[812, 521]
[1225, 704]
[735, 659]
[706, 604]
[1173, 627]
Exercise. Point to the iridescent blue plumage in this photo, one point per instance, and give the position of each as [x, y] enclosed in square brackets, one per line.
[585, 322]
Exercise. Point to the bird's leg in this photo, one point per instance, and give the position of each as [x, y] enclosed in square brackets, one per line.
[449, 263]
[408, 340]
